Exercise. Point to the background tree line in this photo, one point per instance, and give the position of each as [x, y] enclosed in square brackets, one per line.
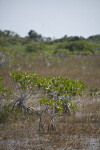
[36, 44]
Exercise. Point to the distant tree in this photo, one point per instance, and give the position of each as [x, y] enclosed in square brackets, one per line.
[63, 39]
[95, 38]
[39, 38]
[35, 36]
[73, 38]
[9, 33]
[48, 39]
[65, 36]
[82, 38]
[32, 34]
[1, 33]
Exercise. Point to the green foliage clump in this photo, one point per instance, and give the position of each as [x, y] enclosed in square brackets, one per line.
[7, 112]
[54, 88]
[58, 92]
[77, 46]
[25, 79]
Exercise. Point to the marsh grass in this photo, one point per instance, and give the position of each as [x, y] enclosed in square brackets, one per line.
[73, 131]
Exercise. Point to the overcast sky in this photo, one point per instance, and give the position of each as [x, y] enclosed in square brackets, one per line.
[51, 18]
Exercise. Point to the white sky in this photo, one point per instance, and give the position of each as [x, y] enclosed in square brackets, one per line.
[51, 18]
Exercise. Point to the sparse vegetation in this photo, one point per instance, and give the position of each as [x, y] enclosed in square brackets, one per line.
[29, 102]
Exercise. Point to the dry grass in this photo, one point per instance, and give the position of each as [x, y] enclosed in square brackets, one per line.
[72, 132]
[85, 68]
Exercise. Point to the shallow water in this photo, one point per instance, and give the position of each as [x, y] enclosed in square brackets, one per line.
[39, 142]
[94, 144]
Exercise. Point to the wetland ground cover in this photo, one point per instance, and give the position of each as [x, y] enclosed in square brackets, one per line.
[79, 130]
